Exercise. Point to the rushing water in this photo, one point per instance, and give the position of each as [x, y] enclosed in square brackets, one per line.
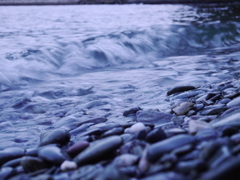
[60, 65]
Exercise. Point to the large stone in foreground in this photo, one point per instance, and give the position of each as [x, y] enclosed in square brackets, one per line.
[155, 151]
[98, 150]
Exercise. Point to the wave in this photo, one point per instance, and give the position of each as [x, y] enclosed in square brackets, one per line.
[127, 49]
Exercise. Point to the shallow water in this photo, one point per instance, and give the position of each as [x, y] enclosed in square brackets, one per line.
[61, 65]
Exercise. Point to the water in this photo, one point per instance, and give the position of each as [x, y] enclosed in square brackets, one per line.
[60, 65]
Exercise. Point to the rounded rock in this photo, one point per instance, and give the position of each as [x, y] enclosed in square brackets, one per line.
[68, 165]
[78, 147]
[57, 136]
[98, 150]
[136, 128]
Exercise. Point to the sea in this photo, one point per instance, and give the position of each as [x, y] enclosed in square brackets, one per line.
[60, 65]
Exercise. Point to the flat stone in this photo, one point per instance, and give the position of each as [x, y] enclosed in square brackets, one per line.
[51, 154]
[57, 136]
[98, 150]
[180, 89]
[155, 151]
[10, 154]
[233, 119]
[114, 131]
[195, 126]
[153, 117]
[183, 108]
[78, 147]
[234, 102]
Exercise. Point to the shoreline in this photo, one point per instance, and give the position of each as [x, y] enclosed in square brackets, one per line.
[98, 2]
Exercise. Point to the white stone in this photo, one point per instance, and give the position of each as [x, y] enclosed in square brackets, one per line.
[195, 126]
[136, 128]
[68, 165]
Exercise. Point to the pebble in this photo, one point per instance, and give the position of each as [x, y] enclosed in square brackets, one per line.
[114, 131]
[232, 119]
[183, 108]
[131, 111]
[98, 150]
[166, 176]
[31, 164]
[13, 163]
[227, 170]
[68, 165]
[195, 126]
[78, 147]
[156, 135]
[10, 154]
[153, 117]
[125, 160]
[57, 136]
[51, 154]
[234, 102]
[155, 151]
[180, 89]
[136, 128]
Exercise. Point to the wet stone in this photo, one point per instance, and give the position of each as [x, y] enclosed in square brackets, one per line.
[187, 167]
[31, 164]
[78, 147]
[178, 120]
[98, 150]
[136, 128]
[198, 107]
[125, 160]
[174, 131]
[6, 172]
[155, 151]
[132, 111]
[183, 108]
[228, 130]
[180, 89]
[87, 172]
[135, 147]
[10, 154]
[234, 102]
[232, 119]
[13, 163]
[227, 170]
[114, 131]
[111, 172]
[195, 126]
[236, 138]
[153, 117]
[207, 134]
[165, 175]
[156, 135]
[57, 136]
[51, 154]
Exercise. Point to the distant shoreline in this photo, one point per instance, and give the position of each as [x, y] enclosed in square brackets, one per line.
[82, 2]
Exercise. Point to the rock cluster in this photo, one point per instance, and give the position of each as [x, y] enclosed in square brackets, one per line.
[198, 138]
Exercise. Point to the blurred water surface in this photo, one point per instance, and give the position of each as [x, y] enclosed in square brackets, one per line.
[81, 62]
